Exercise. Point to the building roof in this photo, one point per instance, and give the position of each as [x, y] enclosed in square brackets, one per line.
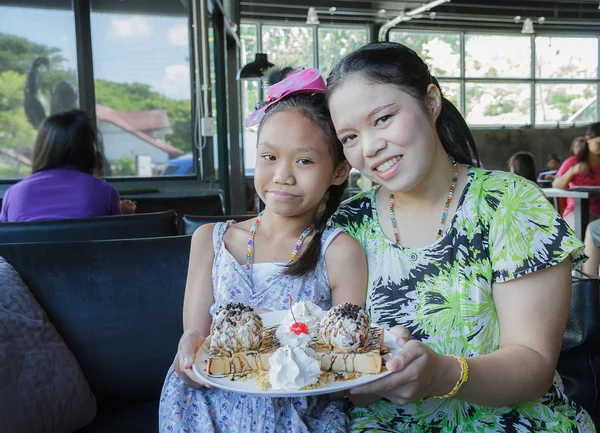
[11, 153]
[145, 120]
[107, 114]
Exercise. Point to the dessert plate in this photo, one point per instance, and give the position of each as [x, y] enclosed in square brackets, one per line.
[248, 386]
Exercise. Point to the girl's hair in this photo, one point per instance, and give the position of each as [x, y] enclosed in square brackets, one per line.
[65, 139]
[592, 131]
[523, 164]
[313, 107]
[395, 64]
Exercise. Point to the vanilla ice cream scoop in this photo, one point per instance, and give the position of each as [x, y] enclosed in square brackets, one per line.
[345, 326]
[306, 313]
[236, 328]
[292, 369]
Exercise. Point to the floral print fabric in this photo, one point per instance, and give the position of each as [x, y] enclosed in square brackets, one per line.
[186, 410]
[504, 227]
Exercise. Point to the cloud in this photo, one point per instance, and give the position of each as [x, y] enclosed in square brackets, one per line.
[178, 35]
[175, 81]
[134, 27]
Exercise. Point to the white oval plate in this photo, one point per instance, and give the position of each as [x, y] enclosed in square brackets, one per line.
[248, 386]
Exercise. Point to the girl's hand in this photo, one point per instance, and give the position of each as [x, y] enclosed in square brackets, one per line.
[418, 372]
[190, 342]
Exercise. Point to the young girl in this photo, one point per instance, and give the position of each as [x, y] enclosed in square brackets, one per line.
[471, 267]
[582, 170]
[300, 165]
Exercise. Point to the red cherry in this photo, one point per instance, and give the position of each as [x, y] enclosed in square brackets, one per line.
[299, 328]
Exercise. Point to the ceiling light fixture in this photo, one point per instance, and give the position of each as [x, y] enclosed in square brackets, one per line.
[312, 17]
[256, 68]
[527, 26]
[332, 10]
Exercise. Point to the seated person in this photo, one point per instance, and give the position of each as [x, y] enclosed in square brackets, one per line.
[547, 175]
[61, 185]
[127, 206]
[582, 170]
[522, 164]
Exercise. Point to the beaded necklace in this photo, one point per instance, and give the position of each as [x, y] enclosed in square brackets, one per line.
[250, 249]
[444, 213]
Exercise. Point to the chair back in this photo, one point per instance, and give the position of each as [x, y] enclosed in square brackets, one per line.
[189, 223]
[88, 229]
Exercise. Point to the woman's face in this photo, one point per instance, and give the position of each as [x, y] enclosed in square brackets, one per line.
[386, 133]
[593, 145]
[294, 167]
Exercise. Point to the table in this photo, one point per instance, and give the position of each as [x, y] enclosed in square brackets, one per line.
[582, 205]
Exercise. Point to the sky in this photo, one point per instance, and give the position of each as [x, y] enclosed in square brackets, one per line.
[127, 48]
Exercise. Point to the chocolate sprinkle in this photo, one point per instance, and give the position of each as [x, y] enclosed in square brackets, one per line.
[348, 310]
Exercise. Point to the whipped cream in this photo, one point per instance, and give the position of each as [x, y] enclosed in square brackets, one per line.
[236, 328]
[293, 369]
[305, 312]
[345, 326]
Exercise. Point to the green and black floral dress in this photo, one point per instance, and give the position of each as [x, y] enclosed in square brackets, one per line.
[504, 228]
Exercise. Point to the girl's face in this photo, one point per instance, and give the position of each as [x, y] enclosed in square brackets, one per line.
[294, 168]
[385, 132]
[593, 145]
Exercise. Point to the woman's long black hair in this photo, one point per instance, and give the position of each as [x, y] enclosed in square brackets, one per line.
[393, 63]
[592, 131]
[312, 106]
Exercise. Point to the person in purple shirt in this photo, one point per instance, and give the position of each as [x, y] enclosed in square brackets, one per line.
[61, 185]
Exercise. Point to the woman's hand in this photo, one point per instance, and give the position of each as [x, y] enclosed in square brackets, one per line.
[127, 207]
[190, 342]
[581, 168]
[418, 372]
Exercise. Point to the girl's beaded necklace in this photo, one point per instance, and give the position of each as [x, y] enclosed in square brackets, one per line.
[250, 249]
[444, 213]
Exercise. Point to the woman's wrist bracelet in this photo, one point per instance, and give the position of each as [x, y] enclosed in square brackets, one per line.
[464, 376]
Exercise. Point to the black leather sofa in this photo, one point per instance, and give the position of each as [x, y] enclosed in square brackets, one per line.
[189, 223]
[156, 224]
[118, 306]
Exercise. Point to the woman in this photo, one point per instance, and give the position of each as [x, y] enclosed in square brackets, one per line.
[523, 164]
[62, 184]
[471, 267]
[582, 170]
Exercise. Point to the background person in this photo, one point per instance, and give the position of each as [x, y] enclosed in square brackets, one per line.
[582, 170]
[523, 164]
[61, 185]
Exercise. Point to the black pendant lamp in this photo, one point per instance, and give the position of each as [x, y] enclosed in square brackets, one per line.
[256, 68]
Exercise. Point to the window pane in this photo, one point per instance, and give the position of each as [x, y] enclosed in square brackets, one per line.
[568, 103]
[336, 43]
[498, 104]
[497, 56]
[441, 51]
[27, 34]
[566, 57]
[288, 45]
[143, 88]
[451, 91]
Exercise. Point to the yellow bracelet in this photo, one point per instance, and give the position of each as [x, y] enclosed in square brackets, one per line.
[464, 376]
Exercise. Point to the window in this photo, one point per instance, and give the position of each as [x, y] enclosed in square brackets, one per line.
[566, 57]
[143, 87]
[335, 43]
[566, 103]
[287, 46]
[498, 104]
[29, 37]
[451, 91]
[441, 51]
[497, 56]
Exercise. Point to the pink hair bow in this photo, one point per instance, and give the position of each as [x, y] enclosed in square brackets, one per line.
[305, 81]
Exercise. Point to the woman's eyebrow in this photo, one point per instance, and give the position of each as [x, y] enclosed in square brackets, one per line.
[378, 109]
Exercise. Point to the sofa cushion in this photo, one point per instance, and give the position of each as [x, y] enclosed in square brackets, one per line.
[125, 418]
[116, 303]
[42, 388]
